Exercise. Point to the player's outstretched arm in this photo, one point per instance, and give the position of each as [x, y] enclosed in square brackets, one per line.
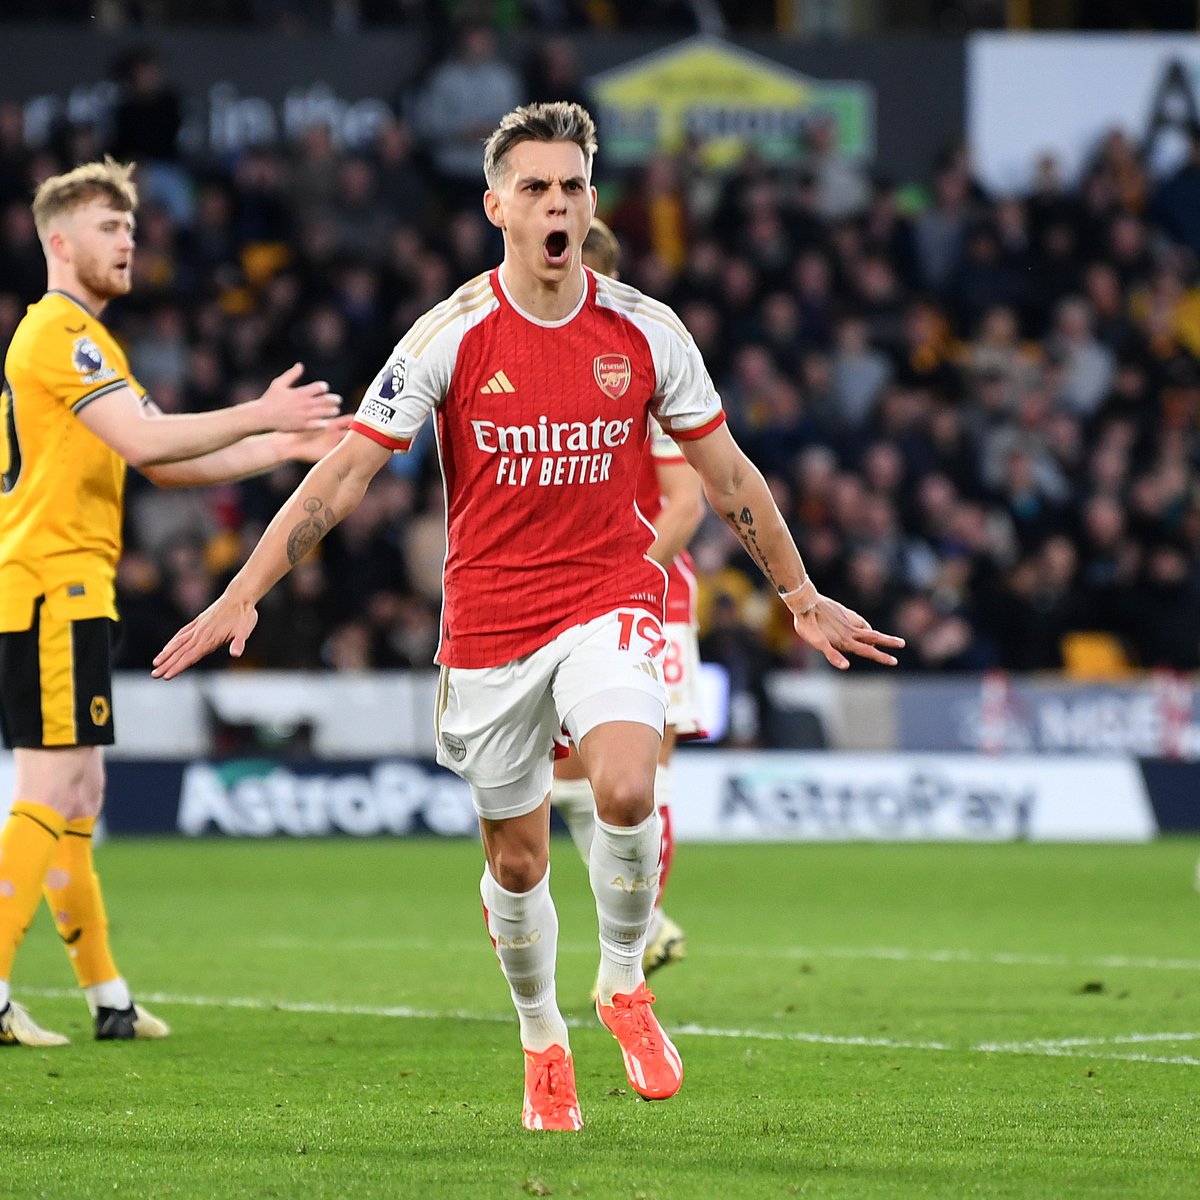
[737, 491]
[330, 491]
[251, 456]
[144, 439]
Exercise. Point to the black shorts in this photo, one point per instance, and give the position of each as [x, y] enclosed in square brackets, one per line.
[56, 683]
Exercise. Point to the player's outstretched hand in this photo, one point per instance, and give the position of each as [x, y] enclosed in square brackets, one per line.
[225, 620]
[290, 407]
[836, 631]
[312, 445]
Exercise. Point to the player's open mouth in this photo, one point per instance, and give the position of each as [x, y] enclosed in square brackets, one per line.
[557, 248]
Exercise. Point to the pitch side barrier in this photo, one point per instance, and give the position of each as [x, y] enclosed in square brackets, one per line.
[721, 796]
[901, 758]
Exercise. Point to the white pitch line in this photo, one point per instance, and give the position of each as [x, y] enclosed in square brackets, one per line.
[1178, 1060]
[1122, 1039]
[1091, 1048]
[970, 957]
[860, 953]
[400, 1011]
[816, 1039]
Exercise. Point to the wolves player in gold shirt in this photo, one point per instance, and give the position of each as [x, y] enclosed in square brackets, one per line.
[72, 417]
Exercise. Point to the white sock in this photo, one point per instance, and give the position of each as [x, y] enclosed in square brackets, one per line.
[624, 874]
[114, 993]
[523, 927]
[574, 800]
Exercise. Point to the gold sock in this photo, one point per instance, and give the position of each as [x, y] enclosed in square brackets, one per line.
[27, 844]
[73, 894]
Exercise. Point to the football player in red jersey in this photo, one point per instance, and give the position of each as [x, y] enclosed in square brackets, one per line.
[542, 377]
[671, 497]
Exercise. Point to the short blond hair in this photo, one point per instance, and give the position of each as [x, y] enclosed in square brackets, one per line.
[108, 180]
[557, 121]
[601, 250]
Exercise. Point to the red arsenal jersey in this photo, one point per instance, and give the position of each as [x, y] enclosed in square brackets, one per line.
[680, 603]
[541, 428]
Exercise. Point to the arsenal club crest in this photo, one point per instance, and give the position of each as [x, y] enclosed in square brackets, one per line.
[613, 374]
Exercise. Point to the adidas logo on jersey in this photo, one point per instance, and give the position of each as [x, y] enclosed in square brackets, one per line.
[497, 385]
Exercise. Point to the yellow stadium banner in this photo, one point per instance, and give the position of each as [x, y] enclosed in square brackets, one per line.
[727, 101]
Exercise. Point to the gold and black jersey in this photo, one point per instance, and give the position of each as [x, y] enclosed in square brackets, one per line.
[61, 487]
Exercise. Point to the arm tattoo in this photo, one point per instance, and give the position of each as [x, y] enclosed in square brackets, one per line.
[309, 531]
[743, 525]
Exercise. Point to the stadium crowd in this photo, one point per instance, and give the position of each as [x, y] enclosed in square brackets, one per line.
[978, 412]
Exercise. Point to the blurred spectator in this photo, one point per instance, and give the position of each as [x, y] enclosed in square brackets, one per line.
[293, 621]
[348, 647]
[146, 619]
[1110, 561]
[1027, 490]
[1128, 248]
[1054, 273]
[1168, 311]
[1110, 320]
[1088, 363]
[403, 182]
[1176, 203]
[841, 186]
[460, 104]
[781, 331]
[939, 641]
[784, 429]
[983, 280]
[860, 373]
[262, 213]
[1166, 610]
[1120, 162]
[360, 219]
[653, 218]
[879, 297]
[14, 156]
[312, 173]
[925, 352]
[210, 243]
[22, 263]
[941, 229]
[553, 72]
[321, 342]
[159, 352]
[728, 642]
[145, 129]
[812, 280]
[1041, 605]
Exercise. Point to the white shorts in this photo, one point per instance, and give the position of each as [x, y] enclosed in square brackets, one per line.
[496, 726]
[681, 674]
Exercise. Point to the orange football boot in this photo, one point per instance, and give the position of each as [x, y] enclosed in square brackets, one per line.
[652, 1063]
[551, 1101]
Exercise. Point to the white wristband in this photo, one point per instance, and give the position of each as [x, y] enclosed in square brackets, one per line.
[803, 599]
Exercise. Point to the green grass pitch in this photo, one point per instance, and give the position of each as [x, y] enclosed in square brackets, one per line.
[855, 1020]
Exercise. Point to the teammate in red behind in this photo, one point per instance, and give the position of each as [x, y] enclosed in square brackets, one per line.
[671, 497]
[542, 377]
